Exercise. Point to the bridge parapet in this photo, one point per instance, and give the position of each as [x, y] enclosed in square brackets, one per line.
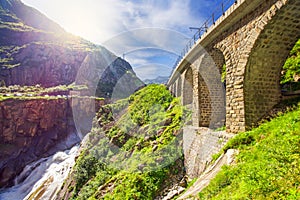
[254, 38]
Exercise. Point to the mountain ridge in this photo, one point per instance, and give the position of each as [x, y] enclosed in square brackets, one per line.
[30, 16]
[36, 52]
[159, 80]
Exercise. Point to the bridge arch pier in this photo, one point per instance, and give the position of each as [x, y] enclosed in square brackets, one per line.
[179, 86]
[209, 91]
[255, 38]
[187, 92]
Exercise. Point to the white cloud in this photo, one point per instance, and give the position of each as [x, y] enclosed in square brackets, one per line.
[147, 38]
[164, 14]
[136, 61]
[124, 25]
[107, 18]
[152, 70]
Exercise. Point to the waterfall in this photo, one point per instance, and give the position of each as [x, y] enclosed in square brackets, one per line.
[41, 180]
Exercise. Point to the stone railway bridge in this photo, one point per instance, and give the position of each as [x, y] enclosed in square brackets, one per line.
[252, 38]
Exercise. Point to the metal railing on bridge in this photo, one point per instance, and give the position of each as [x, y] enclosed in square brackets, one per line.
[219, 11]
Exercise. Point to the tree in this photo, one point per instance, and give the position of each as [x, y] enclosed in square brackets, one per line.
[291, 68]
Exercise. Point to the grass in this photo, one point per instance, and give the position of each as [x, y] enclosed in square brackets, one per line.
[134, 151]
[267, 166]
[38, 92]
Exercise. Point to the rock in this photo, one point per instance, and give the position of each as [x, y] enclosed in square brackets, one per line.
[160, 132]
[174, 191]
[154, 142]
[154, 148]
[159, 159]
[166, 122]
[32, 55]
[183, 182]
[177, 132]
[141, 166]
[138, 145]
[6, 175]
[120, 142]
[146, 138]
[30, 130]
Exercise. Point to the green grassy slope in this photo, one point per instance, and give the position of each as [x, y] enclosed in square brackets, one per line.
[291, 70]
[268, 165]
[134, 151]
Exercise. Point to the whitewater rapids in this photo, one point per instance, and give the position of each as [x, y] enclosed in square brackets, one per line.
[41, 180]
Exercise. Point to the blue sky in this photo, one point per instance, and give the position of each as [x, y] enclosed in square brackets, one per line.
[150, 34]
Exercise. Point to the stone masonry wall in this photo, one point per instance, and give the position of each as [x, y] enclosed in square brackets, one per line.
[188, 87]
[263, 70]
[199, 145]
[204, 103]
[179, 87]
[250, 98]
[209, 92]
[255, 38]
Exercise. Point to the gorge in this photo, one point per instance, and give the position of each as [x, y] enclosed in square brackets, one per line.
[41, 65]
[77, 123]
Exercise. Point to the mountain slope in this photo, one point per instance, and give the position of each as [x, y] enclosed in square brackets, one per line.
[267, 166]
[30, 16]
[158, 80]
[35, 50]
[130, 154]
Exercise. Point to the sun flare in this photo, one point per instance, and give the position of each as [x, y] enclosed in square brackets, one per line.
[80, 22]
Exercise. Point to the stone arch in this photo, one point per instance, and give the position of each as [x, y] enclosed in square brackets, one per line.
[205, 108]
[236, 45]
[229, 91]
[270, 50]
[187, 96]
[211, 92]
[172, 88]
[244, 36]
[179, 86]
[218, 58]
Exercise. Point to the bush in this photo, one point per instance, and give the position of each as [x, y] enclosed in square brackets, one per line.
[291, 67]
[139, 148]
[267, 166]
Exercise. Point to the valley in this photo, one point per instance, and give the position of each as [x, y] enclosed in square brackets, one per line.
[77, 123]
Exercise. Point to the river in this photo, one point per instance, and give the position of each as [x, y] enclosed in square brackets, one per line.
[41, 180]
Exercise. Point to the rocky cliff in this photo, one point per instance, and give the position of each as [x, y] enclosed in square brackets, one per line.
[34, 50]
[18, 11]
[129, 153]
[35, 128]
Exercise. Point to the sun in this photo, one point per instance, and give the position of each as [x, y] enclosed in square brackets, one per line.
[80, 22]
